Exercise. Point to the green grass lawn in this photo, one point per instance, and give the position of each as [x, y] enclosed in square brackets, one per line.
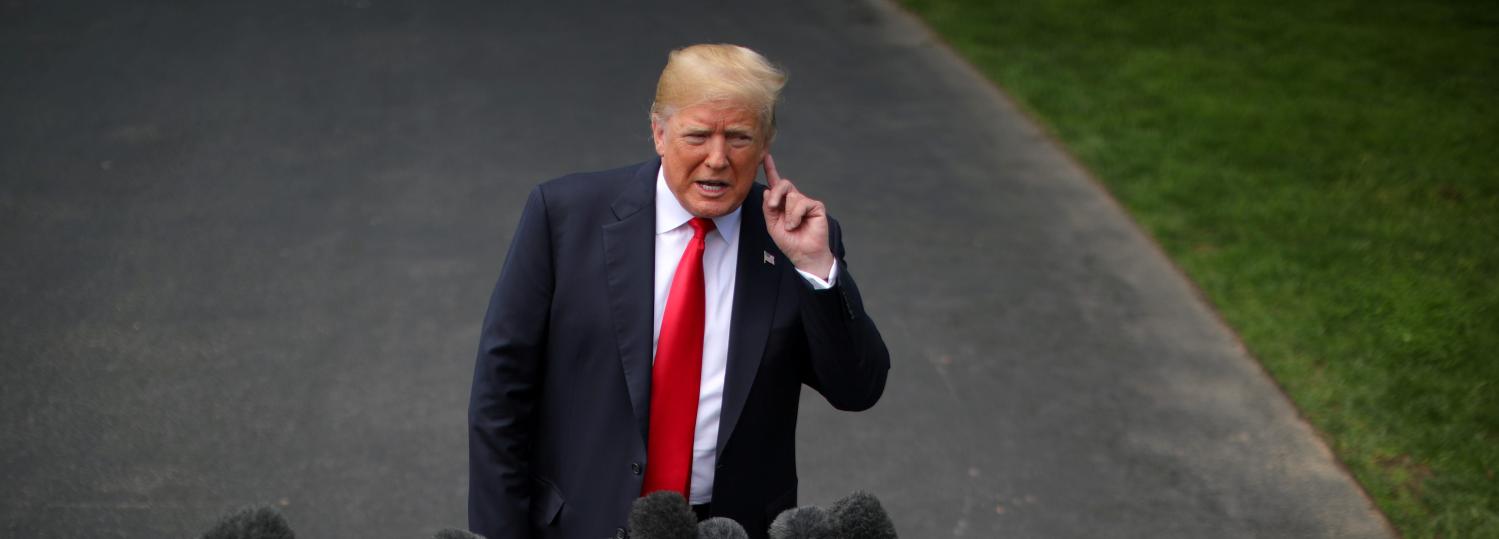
[1328, 173]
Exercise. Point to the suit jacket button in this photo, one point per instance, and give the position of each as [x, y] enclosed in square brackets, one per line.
[635, 467]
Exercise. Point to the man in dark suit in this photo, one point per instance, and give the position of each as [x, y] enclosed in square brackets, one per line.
[653, 325]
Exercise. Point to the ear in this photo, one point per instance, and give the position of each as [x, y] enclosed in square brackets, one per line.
[658, 135]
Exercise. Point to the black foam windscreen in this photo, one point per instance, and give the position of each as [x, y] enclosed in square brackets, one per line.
[861, 515]
[663, 514]
[801, 523]
[260, 522]
[720, 528]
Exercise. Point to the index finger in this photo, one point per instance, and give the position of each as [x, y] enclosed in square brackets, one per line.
[771, 175]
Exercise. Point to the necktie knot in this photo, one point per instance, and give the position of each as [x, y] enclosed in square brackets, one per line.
[700, 226]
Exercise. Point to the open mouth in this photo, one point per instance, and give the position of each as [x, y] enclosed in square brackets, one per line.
[712, 186]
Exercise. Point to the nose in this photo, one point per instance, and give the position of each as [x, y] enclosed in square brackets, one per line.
[718, 157]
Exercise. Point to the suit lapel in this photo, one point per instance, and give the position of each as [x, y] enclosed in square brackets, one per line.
[756, 285]
[629, 259]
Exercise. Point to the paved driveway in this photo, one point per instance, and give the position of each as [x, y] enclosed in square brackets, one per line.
[247, 246]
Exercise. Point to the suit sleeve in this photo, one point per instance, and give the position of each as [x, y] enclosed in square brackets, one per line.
[507, 379]
[848, 361]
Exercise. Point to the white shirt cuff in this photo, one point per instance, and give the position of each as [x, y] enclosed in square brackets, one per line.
[817, 282]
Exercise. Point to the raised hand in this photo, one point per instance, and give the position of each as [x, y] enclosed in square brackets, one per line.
[797, 223]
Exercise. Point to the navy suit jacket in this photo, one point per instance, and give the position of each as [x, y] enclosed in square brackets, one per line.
[559, 409]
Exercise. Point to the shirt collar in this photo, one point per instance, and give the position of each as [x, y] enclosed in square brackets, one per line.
[670, 214]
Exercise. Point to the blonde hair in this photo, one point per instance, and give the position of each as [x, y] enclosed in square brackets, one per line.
[719, 72]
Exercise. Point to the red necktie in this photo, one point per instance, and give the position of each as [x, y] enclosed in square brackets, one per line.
[677, 370]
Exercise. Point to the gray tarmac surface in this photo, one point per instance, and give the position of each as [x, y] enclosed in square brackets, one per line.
[248, 246]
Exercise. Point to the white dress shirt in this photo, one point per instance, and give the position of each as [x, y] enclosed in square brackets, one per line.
[720, 256]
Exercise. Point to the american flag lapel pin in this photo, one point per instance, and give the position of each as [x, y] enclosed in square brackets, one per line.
[770, 259]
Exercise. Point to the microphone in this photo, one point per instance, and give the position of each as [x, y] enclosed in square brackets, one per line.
[802, 523]
[663, 514]
[720, 528]
[262, 522]
[858, 515]
[454, 533]
[861, 515]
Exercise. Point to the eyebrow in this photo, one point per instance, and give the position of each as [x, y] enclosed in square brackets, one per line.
[699, 129]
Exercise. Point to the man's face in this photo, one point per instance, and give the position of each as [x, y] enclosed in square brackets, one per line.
[710, 154]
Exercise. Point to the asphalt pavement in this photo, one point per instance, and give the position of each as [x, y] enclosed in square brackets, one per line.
[247, 247]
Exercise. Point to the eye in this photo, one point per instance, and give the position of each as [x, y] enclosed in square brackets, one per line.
[694, 138]
[741, 140]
